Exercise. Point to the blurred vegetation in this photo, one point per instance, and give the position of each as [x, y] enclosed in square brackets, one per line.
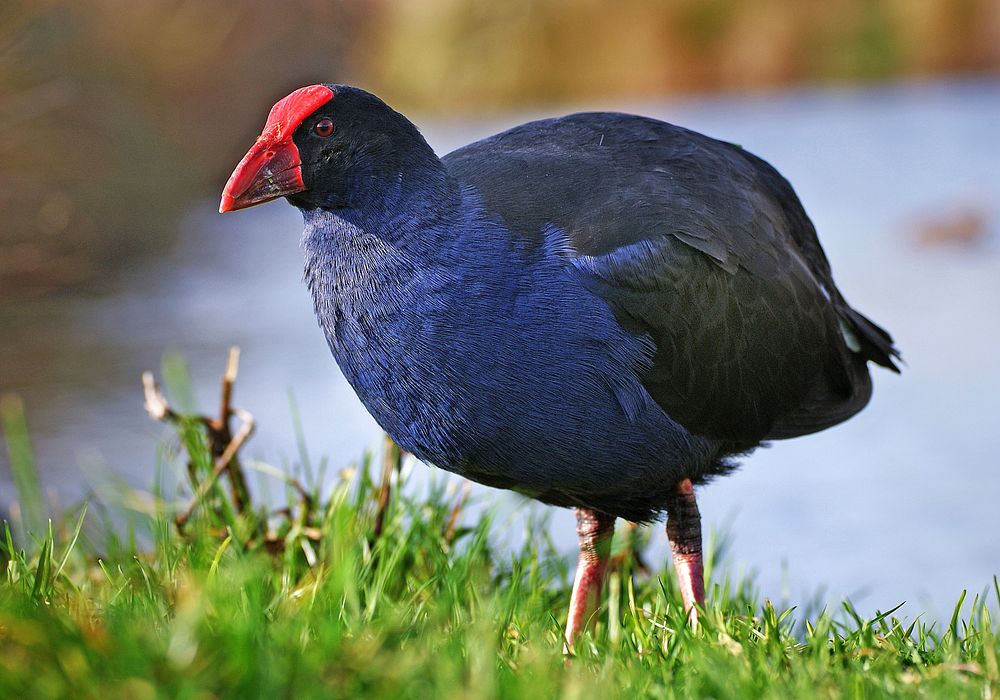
[114, 115]
[461, 54]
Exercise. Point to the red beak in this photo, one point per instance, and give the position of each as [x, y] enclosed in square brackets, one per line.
[272, 167]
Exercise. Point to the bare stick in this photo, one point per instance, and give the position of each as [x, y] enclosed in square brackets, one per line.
[155, 402]
[307, 500]
[220, 465]
[228, 379]
[224, 445]
[449, 533]
[221, 433]
[392, 457]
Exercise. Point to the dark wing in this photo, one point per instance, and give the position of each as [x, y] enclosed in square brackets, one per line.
[704, 248]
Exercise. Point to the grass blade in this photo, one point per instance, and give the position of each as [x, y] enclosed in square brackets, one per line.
[72, 542]
[956, 613]
[22, 464]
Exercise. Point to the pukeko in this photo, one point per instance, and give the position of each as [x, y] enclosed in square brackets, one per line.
[600, 311]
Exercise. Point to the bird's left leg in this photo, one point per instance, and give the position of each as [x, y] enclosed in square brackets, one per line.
[684, 533]
[595, 530]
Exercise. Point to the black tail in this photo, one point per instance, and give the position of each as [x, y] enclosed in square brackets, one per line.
[876, 343]
[825, 407]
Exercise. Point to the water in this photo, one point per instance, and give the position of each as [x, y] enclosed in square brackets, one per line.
[897, 504]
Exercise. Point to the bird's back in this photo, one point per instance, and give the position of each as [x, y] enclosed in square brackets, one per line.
[700, 246]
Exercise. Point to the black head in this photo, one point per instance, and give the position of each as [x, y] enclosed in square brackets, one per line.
[332, 146]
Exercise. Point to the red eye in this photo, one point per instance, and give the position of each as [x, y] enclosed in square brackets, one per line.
[324, 127]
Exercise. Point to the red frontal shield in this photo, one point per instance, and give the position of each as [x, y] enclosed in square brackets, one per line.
[272, 167]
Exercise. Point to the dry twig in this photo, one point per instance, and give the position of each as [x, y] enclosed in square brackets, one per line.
[449, 533]
[223, 443]
[392, 459]
[225, 462]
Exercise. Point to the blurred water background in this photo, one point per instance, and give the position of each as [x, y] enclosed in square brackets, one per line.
[117, 137]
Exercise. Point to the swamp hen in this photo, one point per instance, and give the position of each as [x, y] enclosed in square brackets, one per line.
[600, 311]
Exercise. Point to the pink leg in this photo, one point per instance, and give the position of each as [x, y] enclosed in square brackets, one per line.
[684, 533]
[595, 531]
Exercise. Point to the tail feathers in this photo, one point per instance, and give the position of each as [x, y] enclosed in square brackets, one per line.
[824, 408]
[839, 394]
[876, 343]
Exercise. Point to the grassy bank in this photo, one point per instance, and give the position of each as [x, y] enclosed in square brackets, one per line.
[354, 591]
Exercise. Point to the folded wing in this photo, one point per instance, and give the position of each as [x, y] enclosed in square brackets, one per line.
[700, 246]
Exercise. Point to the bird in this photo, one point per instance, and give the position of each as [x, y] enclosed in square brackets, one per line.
[600, 311]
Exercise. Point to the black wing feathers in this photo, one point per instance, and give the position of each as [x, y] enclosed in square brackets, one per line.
[704, 248]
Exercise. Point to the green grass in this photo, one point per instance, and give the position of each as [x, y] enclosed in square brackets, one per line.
[116, 602]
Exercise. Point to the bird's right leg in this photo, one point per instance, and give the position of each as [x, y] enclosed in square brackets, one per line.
[595, 530]
[684, 533]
